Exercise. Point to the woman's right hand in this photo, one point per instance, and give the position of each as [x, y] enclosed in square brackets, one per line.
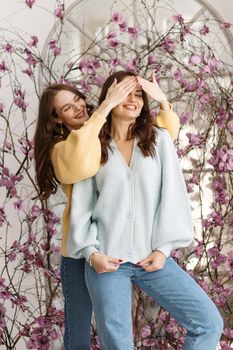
[118, 92]
[104, 263]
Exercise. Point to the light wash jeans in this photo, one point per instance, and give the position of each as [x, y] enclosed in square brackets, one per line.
[78, 307]
[171, 287]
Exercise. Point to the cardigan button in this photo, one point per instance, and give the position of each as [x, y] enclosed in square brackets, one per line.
[129, 215]
[128, 253]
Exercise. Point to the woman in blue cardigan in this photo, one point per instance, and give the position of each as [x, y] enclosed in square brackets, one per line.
[126, 220]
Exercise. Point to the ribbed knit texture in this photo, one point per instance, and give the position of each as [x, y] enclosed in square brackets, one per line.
[129, 211]
[78, 157]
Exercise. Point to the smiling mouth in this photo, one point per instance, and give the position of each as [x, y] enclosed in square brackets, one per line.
[80, 115]
[130, 107]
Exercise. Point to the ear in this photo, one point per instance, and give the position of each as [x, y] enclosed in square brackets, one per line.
[58, 120]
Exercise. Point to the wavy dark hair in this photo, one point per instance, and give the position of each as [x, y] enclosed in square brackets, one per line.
[48, 133]
[142, 128]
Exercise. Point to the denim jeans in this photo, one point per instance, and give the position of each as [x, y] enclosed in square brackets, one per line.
[78, 307]
[171, 287]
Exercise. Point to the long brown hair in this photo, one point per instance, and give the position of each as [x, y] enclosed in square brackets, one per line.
[142, 128]
[48, 133]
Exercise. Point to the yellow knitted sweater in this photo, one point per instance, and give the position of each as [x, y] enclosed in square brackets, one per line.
[78, 157]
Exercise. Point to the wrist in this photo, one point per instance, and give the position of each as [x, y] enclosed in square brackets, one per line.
[91, 257]
[104, 108]
[164, 105]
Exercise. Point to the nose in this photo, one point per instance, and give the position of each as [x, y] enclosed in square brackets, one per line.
[76, 106]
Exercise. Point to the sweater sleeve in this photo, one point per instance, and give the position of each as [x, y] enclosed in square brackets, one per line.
[170, 121]
[173, 220]
[78, 157]
[82, 238]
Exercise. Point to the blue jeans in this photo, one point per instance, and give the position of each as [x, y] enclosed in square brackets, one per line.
[78, 306]
[171, 287]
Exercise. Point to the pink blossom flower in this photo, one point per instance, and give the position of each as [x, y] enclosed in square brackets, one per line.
[113, 43]
[132, 65]
[151, 59]
[12, 256]
[195, 139]
[177, 19]
[117, 17]
[28, 71]
[169, 45]
[111, 35]
[195, 59]
[219, 260]
[85, 87]
[56, 51]
[214, 251]
[114, 62]
[180, 153]
[3, 67]
[205, 70]
[35, 210]
[213, 63]
[29, 3]
[33, 42]
[99, 80]
[222, 159]
[146, 331]
[149, 342]
[228, 332]
[31, 60]
[204, 30]
[18, 205]
[89, 66]
[185, 117]
[225, 345]
[123, 26]
[216, 218]
[133, 32]
[53, 45]
[230, 259]
[178, 74]
[205, 98]
[222, 197]
[59, 11]
[225, 25]
[189, 87]
[218, 185]
[2, 280]
[8, 48]
[19, 101]
[199, 250]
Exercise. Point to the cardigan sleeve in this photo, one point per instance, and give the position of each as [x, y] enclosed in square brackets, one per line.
[82, 238]
[170, 121]
[173, 220]
[78, 157]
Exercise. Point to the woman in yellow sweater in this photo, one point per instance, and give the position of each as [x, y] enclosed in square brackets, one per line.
[67, 150]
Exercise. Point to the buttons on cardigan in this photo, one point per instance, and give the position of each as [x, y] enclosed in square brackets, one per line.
[128, 175]
[128, 253]
[129, 215]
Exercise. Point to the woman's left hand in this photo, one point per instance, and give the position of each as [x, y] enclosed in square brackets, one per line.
[153, 262]
[152, 89]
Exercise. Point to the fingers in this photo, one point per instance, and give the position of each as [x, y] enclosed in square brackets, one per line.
[152, 263]
[127, 85]
[114, 260]
[153, 77]
[145, 262]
